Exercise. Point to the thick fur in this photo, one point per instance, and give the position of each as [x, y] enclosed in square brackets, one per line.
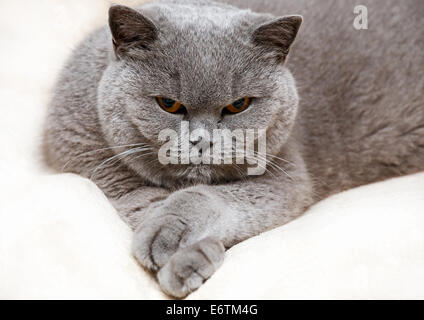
[360, 118]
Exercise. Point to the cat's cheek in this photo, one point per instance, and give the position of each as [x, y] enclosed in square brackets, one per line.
[151, 124]
[251, 119]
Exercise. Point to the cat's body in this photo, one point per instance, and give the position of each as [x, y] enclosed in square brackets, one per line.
[361, 114]
[360, 118]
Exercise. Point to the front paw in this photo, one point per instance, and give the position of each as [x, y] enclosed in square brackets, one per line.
[189, 267]
[181, 220]
[156, 240]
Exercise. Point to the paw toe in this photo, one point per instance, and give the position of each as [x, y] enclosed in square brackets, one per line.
[155, 243]
[189, 267]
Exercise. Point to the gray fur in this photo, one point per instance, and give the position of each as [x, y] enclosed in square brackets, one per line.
[360, 118]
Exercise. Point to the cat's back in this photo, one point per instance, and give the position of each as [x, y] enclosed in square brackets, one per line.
[362, 106]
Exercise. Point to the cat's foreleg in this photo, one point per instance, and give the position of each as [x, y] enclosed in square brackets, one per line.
[133, 205]
[183, 237]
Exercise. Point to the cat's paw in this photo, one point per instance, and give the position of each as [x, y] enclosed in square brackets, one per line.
[179, 221]
[189, 267]
[156, 240]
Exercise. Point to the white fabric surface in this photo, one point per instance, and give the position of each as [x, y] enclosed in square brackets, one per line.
[60, 238]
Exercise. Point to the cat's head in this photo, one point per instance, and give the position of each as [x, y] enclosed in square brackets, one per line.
[213, 65]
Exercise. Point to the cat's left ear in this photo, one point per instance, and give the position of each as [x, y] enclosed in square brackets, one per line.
[278, 35]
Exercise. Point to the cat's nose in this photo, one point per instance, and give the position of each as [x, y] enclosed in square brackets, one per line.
[201, 143]
[201, 139]
[199, 135]
[195, 140]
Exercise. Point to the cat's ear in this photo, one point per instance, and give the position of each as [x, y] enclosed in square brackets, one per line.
[278, 35]
[130, 29]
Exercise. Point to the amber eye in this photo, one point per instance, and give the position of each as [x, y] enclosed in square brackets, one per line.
[238, 106]
[170, 105]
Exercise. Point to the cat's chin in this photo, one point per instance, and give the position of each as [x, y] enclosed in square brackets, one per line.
[198, 173]
[186, 175]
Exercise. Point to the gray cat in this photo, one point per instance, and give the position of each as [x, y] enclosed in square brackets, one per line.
[360, 118]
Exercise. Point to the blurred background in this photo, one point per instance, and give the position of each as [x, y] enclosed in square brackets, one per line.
[46, 252]
[37, 36]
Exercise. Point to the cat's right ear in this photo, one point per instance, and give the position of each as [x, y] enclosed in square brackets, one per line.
[278, 35]
[130, 29]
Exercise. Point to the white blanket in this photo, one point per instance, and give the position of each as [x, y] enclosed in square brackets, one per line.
[60, 238]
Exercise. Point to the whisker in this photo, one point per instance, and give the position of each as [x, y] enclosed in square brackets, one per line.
[264, 167]
[234, 151]
[102, 149]
[240, 171]
[274, 165]
[144, 154]
[119, 156]
[272, 156]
